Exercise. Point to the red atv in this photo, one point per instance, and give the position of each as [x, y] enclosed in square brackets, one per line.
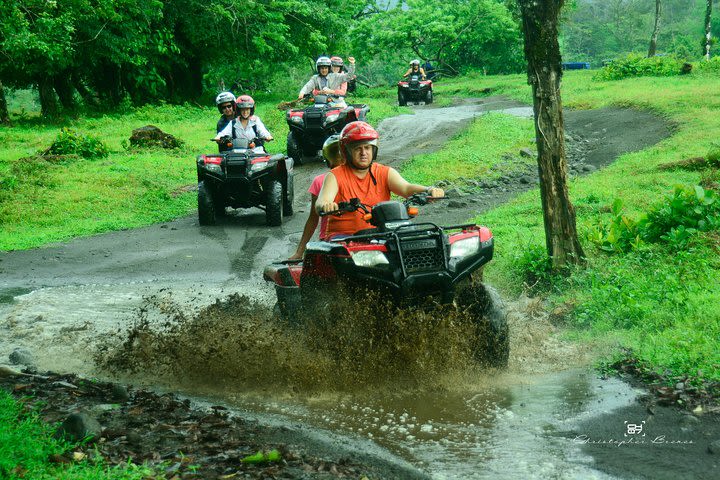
[402, 259]
[415, 90]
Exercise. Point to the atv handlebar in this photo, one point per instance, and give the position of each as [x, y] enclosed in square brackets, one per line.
[422, 198]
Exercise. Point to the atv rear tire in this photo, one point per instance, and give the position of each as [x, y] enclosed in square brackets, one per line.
[206, 206]
[488, 310]
[293, 149]
[428, 97]
[273, 203]
[288, 196]
[401, 99]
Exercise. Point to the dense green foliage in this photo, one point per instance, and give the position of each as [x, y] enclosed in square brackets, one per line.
[636, 65]
[26, 443]
[599, 30]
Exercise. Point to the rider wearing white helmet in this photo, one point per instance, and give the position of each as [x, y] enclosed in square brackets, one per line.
[225, 102]
[415, 69]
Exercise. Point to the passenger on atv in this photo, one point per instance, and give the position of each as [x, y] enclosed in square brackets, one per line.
[247, 125]
[360, 177]
[329, 83]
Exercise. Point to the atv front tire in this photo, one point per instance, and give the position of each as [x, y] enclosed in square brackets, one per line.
[493, 334]
[288, 196]
[293, 149]
[273, 203]
[428, 97]
[401, 99]
[206, 205]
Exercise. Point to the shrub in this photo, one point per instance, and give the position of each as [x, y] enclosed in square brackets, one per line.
[674, 221]
[712, 66]
[535, 266]
[637, 65]
[69, 142]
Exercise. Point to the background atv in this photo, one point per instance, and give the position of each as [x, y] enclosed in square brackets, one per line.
[240, 178]
[415, 90]
[406, 261]
[310, 127]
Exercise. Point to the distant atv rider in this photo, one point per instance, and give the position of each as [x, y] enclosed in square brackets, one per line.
[247, 125]
[327, 82]
[360, 177]
[415, 69]
[225, 102]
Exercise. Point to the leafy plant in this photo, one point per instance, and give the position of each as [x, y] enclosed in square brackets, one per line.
[535, 266]
[692, 209]
[620, 235]
[637, 65]
[69, 142]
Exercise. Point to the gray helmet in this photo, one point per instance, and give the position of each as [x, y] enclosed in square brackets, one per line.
[224, 97]
[331, 149]
[322, 62]
[415, 62]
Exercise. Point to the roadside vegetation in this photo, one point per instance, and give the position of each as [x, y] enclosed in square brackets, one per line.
[27, 447]
[649, 224]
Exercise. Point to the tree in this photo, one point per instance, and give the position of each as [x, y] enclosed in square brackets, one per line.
[4, 115]
[653, 39]
[453, 34]
[708, 20]
[540, 27]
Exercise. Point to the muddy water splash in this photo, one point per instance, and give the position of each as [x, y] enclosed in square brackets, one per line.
[239, 344]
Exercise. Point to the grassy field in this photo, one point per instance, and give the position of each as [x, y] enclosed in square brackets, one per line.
[48, 201]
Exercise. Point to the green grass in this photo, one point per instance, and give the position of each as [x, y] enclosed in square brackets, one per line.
[26, 443]
[657, 300]
[487, 149]
[42, 202]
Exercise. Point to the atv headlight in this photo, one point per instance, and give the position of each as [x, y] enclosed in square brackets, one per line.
[465, 247]
[297, 120]
[369, 258]
[258, 166]
[405, 85]
[332, 118]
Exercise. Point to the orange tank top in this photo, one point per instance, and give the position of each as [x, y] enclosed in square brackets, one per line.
[369, 193]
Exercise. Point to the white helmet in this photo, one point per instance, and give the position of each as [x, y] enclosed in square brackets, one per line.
[224, 97]
[415, 62]
[323, 62]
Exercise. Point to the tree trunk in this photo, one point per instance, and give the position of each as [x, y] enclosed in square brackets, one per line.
[708, 18]
[653, 40]
[542, 51]
[65, 90]
[4, 114]
[48, 100]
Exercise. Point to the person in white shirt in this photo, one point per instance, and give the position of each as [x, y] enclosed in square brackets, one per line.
[247, 125]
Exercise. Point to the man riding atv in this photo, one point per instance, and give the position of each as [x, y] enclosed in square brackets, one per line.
[360, 177]
[326, 82]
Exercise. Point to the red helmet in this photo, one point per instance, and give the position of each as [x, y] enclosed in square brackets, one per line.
[246, 101]
[357, 132]
[336, 61]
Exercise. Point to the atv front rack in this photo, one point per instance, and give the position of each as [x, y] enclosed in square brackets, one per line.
[436, 256]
